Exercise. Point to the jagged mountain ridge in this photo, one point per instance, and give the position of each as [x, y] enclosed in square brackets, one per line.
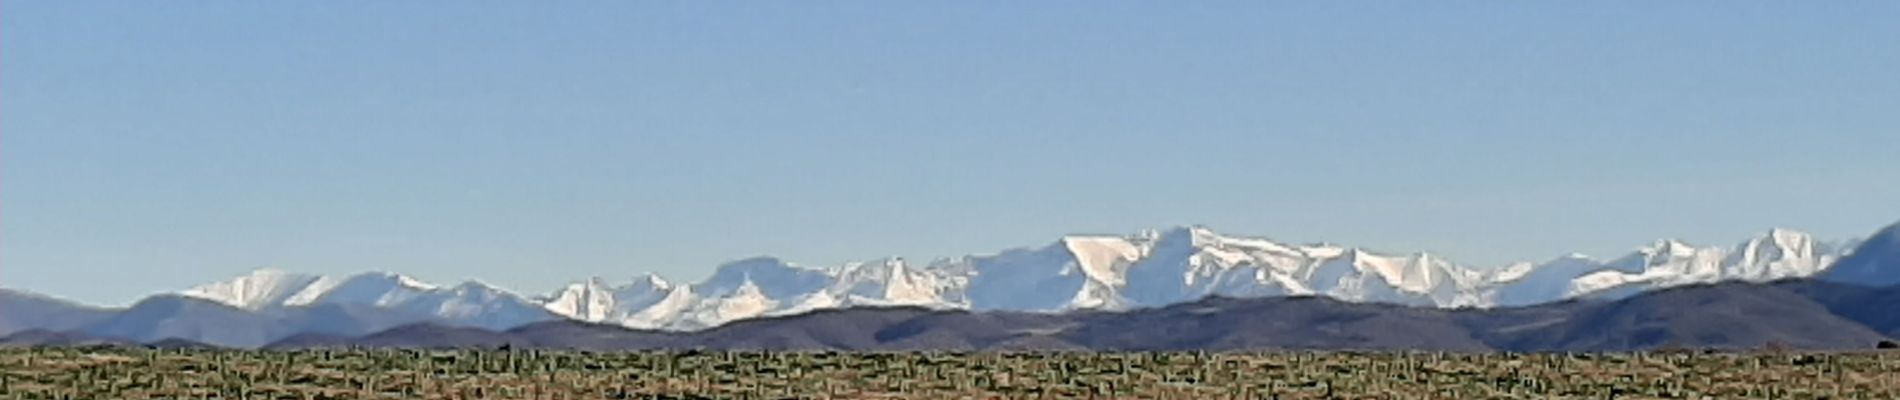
[471, 303]
[1106, 272]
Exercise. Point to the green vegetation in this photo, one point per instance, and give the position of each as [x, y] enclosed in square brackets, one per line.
[136, 373]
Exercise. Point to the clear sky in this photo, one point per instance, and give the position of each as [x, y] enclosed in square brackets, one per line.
[151, 146]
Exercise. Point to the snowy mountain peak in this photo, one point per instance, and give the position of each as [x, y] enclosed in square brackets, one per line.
[1200, 235]
[472, 286]
[258, 289]
[412, 282]
[1779, 253]
[1783, 237]
[1776, 254]
[1103, 258]
[598, 300]
[654, 281]
[1780, 240]
[390, 278]
[1195, 236]
[471, 303]
[1668, 247]
[748, 289]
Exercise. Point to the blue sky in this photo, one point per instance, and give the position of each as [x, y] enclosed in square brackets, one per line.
[150, 146]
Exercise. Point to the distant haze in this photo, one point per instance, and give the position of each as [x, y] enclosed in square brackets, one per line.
[148, 147]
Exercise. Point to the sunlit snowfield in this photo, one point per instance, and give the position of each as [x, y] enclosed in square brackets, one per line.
[131, 373]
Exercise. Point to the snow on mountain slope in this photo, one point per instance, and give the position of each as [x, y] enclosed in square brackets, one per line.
[1076, 272]
[1778, 254]
[1103, 259]
[745, 301]
[1044, 278]
[1525, 284]
[1781, 253]
[469, 304]
[1150, 268]
[598, 301]
[259, 289]
[1420, 279]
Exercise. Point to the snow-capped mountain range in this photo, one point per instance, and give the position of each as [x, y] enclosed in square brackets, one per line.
[1108, 272]
[469, 304]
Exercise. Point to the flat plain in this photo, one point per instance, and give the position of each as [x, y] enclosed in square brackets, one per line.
[142, 373]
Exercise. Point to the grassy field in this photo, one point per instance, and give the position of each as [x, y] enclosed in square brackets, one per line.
[130, 373]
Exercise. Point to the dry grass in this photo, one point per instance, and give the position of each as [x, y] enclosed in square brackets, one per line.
[122, 373]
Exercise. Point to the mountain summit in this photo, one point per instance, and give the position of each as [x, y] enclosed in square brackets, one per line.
[471, 304]
[1875, 262]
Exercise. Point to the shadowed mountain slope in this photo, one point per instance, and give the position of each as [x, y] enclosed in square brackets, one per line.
[1876, 262]
[1721, 316]
[22, 311]
[1797, 314]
